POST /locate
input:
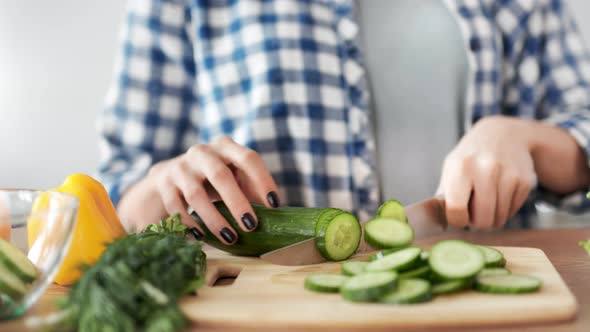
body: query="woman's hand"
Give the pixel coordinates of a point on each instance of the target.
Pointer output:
(490, 173)
(221, 170)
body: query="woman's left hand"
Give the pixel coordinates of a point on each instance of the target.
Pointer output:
(489, 174)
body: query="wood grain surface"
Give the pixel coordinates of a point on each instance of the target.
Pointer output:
(560, 246)
(267, 297)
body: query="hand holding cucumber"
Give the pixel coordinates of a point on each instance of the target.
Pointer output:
(221, 170)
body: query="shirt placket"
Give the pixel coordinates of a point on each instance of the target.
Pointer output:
(362, 143)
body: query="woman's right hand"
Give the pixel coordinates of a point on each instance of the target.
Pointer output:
(221, 170)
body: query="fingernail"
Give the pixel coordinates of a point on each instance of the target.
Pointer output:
(249, 221)
(227, 235)
(195, 216)
(273, 199)
(196, 233)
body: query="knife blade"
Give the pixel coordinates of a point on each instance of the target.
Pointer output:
(426, 218)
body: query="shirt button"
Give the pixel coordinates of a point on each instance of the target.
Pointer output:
(347, 29)
(475, 44)
(353, 71)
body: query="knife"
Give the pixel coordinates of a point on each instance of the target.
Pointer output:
(426, 218)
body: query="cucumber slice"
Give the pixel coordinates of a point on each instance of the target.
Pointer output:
(382, 233)
(16, 261)
(493, 258)
(10, 284)
(392, 209)
(397, 261)
(353, 268)
(382, 253)
(409, 291)
(451, 286)
(425, 255)
(493, 271)
(454, 259)
(324, 282)
(368, 286)
(420, 272)
(338, 236)
(507, 284)
(326, 215)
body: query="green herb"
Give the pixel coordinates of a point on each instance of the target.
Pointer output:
(169, 225)
(136, 283)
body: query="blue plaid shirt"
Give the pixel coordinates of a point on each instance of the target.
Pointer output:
(286, 78)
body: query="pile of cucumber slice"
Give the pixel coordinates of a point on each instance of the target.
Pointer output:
(403, 273)
(16, 271)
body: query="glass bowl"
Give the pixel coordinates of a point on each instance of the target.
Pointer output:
(51, 216)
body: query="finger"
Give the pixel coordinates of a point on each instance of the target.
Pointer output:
(457, 191)
(174, 203)
(522, 192)
(252, 165)
(506, 191)
(196, 196)
(221, 178)
(484, 194)
(440, 190)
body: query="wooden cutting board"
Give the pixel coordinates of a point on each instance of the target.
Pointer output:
(266, 296)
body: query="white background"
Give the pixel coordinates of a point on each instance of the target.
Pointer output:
(56, 60)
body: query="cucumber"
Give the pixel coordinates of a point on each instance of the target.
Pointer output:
(419, 272)
(454, 259)
(383, 232)
(353, 268)
(451, 286)
(507, 284)
(398, 261)
(337, 238)
(327, 214)
(368, 287)
(382, 253)
(392, 209)
(11, 285)
(324, 282)
(493, 271)
(409, 291)
(17, 262)
(493, 258)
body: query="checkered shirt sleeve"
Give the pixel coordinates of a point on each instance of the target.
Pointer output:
(151, 97)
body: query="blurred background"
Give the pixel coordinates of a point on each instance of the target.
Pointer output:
(56, 60)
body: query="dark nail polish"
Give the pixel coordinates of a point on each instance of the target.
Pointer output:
(196, 233)
(195, 217)
(227, 235)
(273, 199)
(249, 221)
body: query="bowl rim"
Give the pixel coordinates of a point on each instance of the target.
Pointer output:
(73, 202)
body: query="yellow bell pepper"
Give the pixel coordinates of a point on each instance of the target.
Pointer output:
(5, 231)
(97, 224)
(4, 223)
